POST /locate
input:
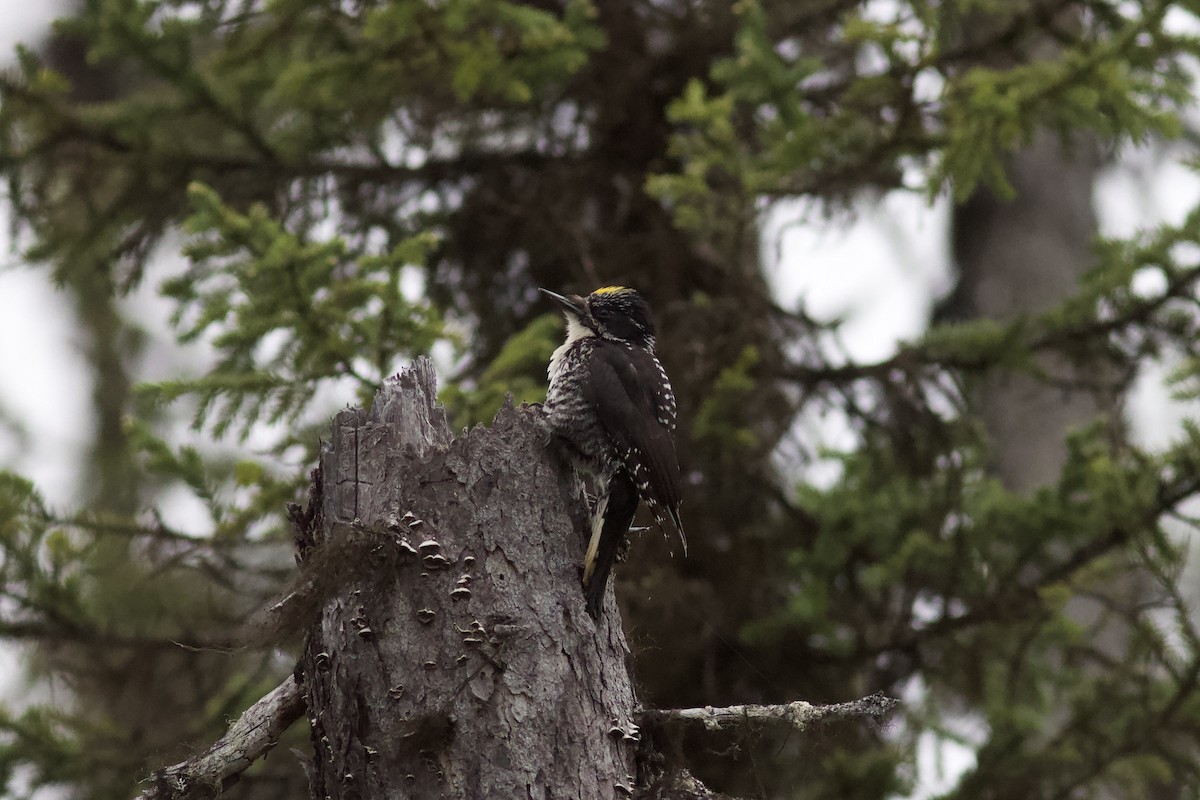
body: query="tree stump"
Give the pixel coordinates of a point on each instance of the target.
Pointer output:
(450, 654)
(456, 660)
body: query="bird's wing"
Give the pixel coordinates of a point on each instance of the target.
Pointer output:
(634, 411)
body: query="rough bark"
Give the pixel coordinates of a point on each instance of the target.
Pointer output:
(458, 660)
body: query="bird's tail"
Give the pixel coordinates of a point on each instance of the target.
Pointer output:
(610, 522)
(679, 528)
(675, 522)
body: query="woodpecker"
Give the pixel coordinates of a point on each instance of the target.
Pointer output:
(611, 405)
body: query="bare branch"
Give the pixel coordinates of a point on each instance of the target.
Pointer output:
(247, 740)
(798, 714)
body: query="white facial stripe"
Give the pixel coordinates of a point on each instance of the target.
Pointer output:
(576, 330)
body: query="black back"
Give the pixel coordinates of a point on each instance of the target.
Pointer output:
(626, 391)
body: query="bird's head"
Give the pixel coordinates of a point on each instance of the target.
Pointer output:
(612, 312)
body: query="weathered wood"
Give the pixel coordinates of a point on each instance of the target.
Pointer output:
(458, 661)
(798, 715)
(249, 738)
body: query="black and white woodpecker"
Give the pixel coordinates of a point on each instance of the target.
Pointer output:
(611, 404)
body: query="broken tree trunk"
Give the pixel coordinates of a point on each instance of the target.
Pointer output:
(456, 659)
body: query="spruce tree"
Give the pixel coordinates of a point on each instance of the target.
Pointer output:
(352, 185)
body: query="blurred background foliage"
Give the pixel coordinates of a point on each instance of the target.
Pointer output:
(351, 184)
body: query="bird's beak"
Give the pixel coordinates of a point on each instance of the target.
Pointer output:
(572, 304)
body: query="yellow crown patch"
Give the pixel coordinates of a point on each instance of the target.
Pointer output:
(612, 290)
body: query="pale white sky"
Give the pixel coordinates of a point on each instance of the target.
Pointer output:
(880, 272)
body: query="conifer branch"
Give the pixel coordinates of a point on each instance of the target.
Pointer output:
(72, 128)
(248, 739)
(797, 714)
(1035, 335)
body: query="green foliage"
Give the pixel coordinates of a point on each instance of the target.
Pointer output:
(1111, 85)
(718, 418)
(285, 86)
(982, 577)
(285, 314)
(517, 372)
(41, 739)
(285, 317)
(62, 573)
(357, 184)
(298, 324)
(775, 120)
(40, 574)
(486, 51)
(68, 579)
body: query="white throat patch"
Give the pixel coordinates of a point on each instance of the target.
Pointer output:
(576, 330)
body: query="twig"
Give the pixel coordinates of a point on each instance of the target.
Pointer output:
(798, 714)
(247, 740)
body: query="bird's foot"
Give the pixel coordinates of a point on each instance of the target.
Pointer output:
(627, 543)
